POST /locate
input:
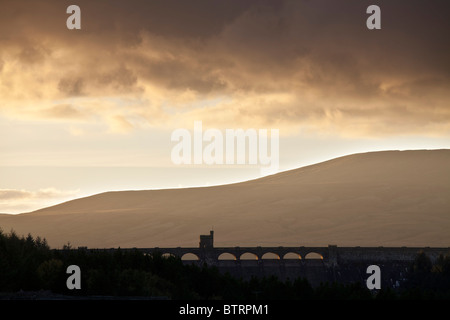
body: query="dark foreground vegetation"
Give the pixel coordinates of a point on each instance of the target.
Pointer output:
(28, 264)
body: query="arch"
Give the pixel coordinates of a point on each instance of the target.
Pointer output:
(314, 255)
(248, 256)
(292, 256)
(168, 255)
(270, 255)
(189, 257)
(226, 256)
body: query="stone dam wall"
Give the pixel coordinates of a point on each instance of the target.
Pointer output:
(331, 264)
(316, 264)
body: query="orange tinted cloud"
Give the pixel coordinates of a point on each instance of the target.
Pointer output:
(285, 64)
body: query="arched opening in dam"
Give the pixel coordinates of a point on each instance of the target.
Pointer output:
(270, 256)
(190, 257)
(292, 256)
(248, 256)
(314, 256)
(227, 256)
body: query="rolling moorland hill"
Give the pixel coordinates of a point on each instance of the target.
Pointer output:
(387, 198)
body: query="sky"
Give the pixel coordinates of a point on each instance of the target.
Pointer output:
(93, 110)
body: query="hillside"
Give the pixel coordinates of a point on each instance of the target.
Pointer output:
(389, 198)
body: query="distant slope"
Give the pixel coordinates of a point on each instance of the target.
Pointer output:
(389, 198)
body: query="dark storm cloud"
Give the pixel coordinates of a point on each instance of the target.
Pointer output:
(318, 53)
(71, 87)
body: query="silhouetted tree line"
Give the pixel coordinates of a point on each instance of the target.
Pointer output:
(28, 264)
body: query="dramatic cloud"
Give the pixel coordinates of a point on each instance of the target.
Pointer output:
(9, 194)
(15, 201)
(275, 63)
(111, 93)
(62, 111)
